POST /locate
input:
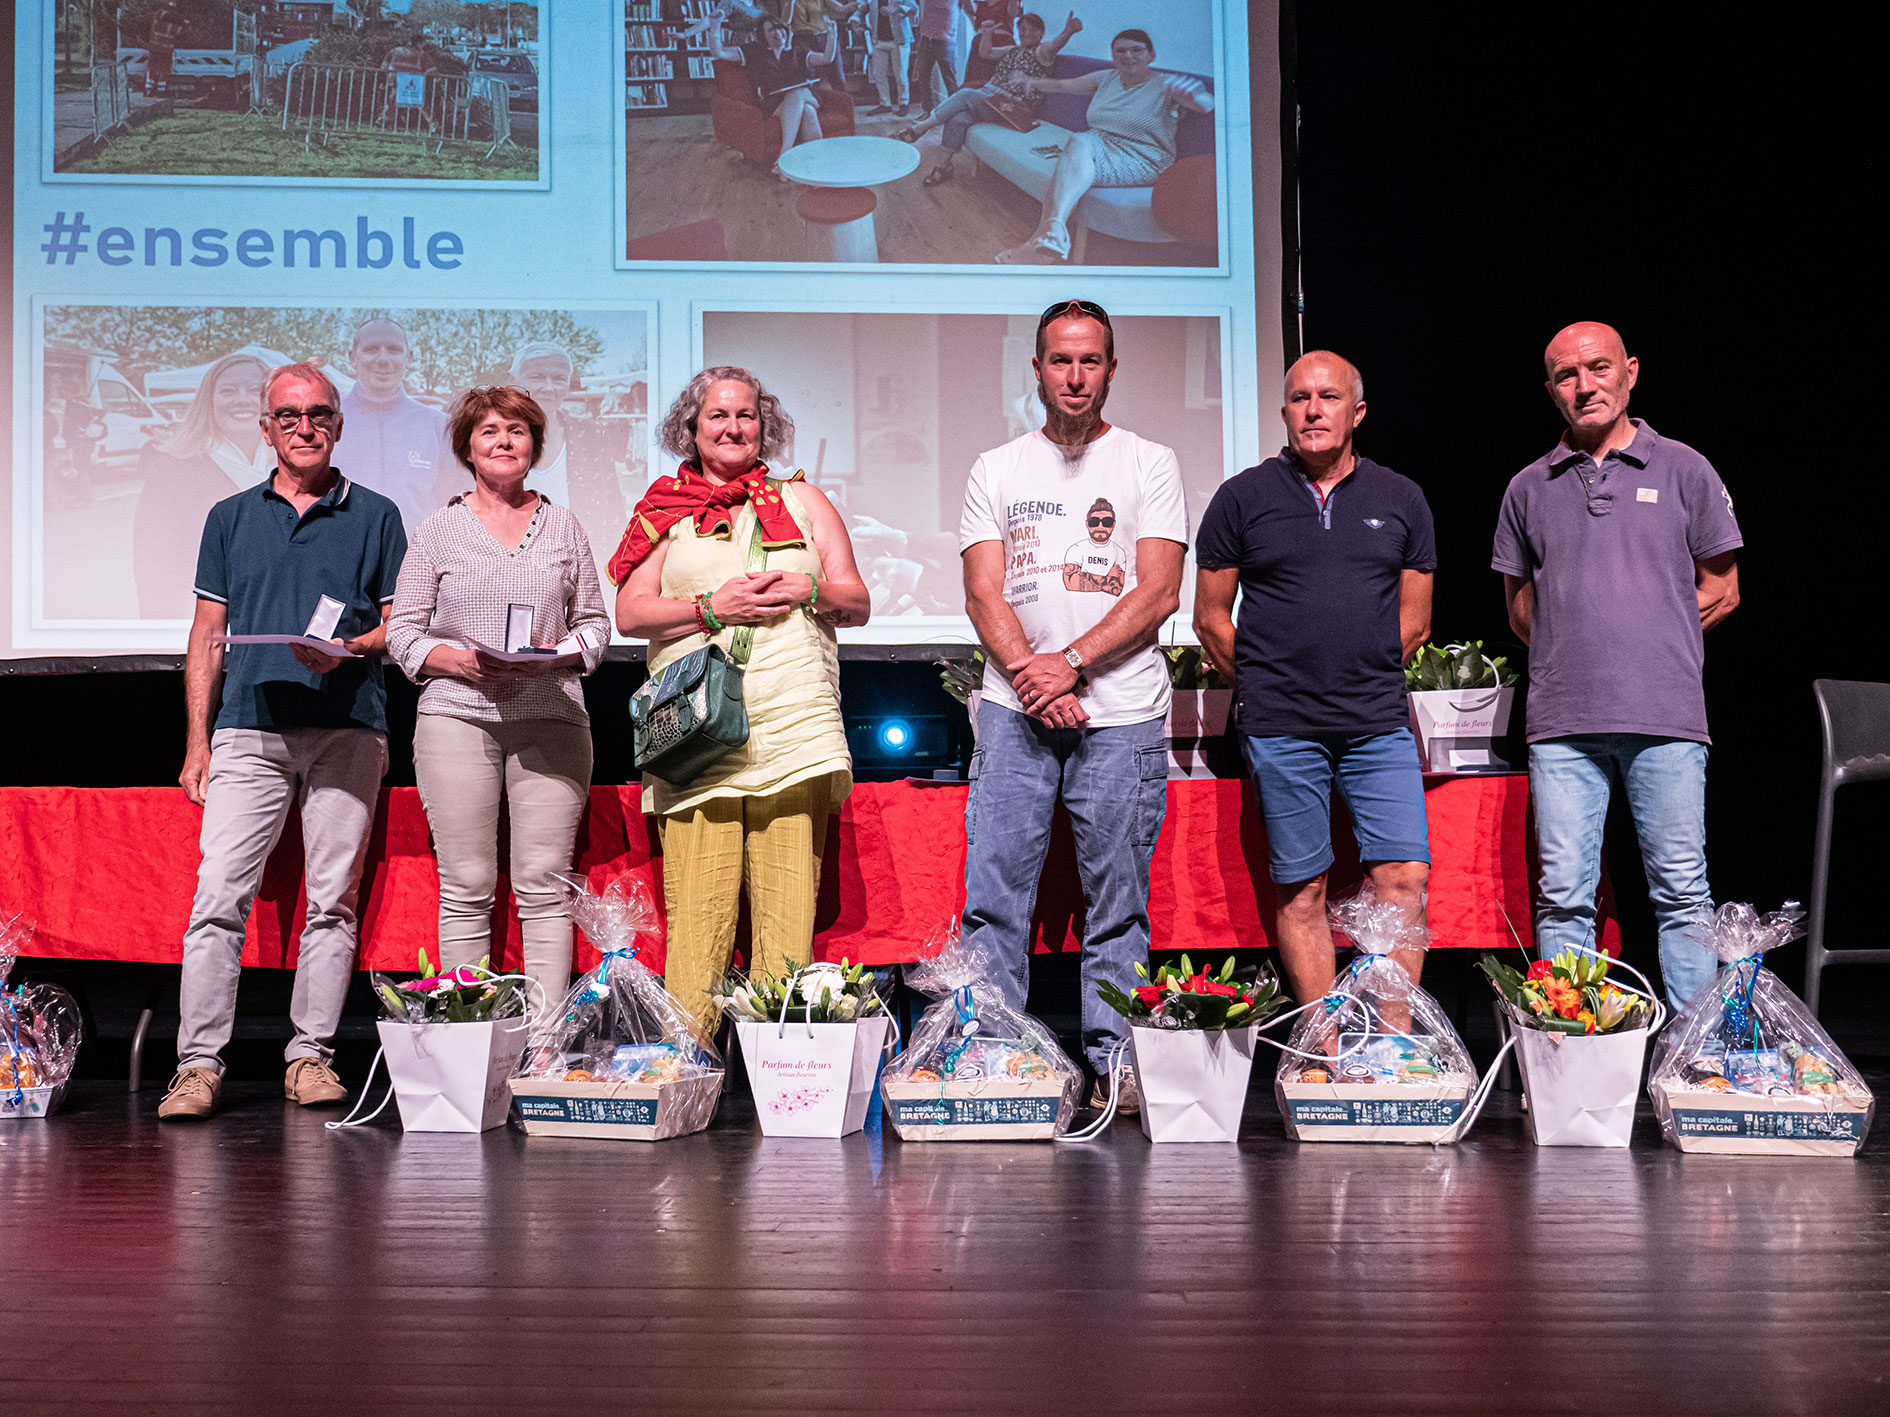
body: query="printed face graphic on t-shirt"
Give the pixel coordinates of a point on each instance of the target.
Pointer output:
(1097, 564)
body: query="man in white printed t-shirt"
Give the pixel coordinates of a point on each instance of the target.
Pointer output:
(1073, 540)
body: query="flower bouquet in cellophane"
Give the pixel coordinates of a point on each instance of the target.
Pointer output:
(620, 1057)
(39, 1034)
(812, 1038)
(1746, 1067)
(1191, 1038)
(1376, 1059)
(451, 1038)
(976, 1068)
(1580, 1040)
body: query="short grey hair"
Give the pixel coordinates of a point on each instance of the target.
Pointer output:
(304, 369)
(678, 435)
(542, 349)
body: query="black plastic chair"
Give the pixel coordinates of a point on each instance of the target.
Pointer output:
(1856, 717)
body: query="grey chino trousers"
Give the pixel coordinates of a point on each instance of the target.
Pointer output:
(256, 777)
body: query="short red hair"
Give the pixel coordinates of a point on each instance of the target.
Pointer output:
(471, 407)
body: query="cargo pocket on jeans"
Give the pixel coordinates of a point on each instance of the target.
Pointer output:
(1151, 794)
(972, 774)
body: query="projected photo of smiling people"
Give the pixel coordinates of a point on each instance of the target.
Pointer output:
(1082, 134)
(396, 444)
(577, 468)
(215, 451)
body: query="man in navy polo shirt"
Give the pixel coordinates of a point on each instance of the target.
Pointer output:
(1333, 557)
(1617, 553)
(274, 725)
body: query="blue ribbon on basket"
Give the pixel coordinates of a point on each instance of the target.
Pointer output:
(13, 1048)
(967, 1008)
(1739, 1007)
(594, 986)
(1336, 998)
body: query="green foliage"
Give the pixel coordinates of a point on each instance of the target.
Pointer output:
(958, 677)
(1190, 668)
(1185, 998)
(841, 994)
(1457, 666)
(472, 994)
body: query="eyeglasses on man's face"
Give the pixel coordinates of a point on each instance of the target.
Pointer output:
(289, 419)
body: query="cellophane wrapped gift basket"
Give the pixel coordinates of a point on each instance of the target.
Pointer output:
(976, 1068)
(1745, 1068)
(1375, 1060)
(812, 1039)
(620, 1058)
(39, 1034)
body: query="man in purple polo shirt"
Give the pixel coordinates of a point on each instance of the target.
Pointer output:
(1333, 557)
(1616, 550)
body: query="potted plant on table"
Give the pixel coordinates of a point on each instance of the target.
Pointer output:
(1197, 712)
(1461, 701)
(1580, 1040)
(812, 1038)
(451, 1038)
(1191, 1036)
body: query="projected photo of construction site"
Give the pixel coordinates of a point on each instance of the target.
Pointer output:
(335, 90)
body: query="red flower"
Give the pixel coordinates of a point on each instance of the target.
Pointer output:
(1201, 984)
(1149, 995)
(1541, 969)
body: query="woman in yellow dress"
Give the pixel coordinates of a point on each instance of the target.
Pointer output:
(757, 817)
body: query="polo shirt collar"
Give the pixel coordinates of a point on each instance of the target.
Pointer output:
(1639, 452)
(335, 496)
(1290, 460)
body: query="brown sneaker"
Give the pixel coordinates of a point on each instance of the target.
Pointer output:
(1128, 1103)
(191, 1096)
(313, 1083)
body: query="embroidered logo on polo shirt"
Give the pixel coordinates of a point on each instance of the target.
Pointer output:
(1647, 494)
(1374, 522)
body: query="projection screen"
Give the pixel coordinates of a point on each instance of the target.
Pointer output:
(584, 199)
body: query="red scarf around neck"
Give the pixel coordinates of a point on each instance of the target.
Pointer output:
(689, 493)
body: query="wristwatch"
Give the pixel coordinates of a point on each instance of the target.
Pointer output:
(1075, 659)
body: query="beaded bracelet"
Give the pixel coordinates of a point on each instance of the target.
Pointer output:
(813, 595)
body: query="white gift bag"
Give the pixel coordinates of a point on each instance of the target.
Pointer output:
(451, 1077)
(812, 1079)
(1581, 1088)
(1193, 1081)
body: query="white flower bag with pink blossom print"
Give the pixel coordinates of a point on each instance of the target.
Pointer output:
(813, 1079)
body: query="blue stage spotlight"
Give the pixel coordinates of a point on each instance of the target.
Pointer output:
(895, 736)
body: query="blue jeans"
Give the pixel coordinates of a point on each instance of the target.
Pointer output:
(1569, 781)
(1114, 784)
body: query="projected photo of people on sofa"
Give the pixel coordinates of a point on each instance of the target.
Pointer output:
(927, 132)
(151, 417)
(241, 90)
(891, 410)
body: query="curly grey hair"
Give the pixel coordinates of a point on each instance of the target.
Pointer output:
(678, 435)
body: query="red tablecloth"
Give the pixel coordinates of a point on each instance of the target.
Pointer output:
(109, 873)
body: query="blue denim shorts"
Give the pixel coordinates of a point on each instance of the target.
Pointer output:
(1378, 775)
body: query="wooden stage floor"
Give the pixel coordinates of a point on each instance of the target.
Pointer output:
(258, 1265)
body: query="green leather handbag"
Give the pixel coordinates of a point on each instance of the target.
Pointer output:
(690, 715)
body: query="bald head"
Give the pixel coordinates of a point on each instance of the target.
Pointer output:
(1590, 376)
(1583, 334)
(1334, 369)
(1325, 403)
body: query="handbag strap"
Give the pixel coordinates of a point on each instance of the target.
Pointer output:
(743, 643)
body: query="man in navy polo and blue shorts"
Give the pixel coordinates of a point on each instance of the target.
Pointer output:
(1617, 549)
(1333, 557)
(272, 726)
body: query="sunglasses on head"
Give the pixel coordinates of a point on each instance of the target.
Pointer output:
(1074, 310)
